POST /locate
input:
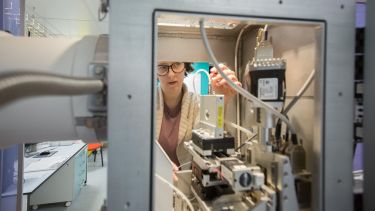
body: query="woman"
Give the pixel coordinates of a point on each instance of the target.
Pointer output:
(178, 110)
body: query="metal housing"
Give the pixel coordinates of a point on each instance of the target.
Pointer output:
(132, 87)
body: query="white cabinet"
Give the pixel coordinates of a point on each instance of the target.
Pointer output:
(64, 184)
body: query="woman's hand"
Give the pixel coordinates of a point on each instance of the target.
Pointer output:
(220, 85)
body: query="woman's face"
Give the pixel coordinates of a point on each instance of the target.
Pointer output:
(171, 76)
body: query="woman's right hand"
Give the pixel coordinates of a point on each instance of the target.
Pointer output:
(220, 85)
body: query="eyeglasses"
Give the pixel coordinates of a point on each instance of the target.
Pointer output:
(176, 67)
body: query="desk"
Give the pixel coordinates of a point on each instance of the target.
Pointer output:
(57, 178)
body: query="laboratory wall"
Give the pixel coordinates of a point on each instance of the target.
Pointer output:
(192, 49)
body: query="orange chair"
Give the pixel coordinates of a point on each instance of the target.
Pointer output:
(93, 149)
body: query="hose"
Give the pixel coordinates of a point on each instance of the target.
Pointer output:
(240, 90)
(20, 84)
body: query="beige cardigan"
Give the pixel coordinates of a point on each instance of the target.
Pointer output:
(189, 119)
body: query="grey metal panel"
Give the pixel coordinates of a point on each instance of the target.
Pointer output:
(369, 105)
(318, 142)
(131, 88)
(130, 106)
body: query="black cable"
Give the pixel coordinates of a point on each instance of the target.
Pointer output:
(279, 123)
(251, 138)
(20, 84)
(294, 139)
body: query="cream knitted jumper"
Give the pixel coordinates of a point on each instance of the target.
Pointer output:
(189, 119)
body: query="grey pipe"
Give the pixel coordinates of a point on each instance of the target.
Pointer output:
(20, 84)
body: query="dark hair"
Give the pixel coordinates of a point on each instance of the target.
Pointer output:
(188, 68)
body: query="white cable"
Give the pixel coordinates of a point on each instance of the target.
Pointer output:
(208, 76)
(244, 130)
(236, 48)
(240, 90)
(184, 197)
(300, 92)
(187, 163)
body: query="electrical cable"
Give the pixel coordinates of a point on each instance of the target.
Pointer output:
(240, 90)
(19, 84)
(184, 197)
(244, 130)
(300, 92)
(236, 48)
(185, 164)
(245, 142)
(265, 31)
(291, 104)
(278, 122)
(236, 70)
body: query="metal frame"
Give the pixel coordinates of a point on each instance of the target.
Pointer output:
(20, 181)
(132, 93)
(369, 104)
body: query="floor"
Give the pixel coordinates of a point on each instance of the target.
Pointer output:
(93, 194)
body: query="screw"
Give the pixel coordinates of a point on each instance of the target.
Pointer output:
(127, 205)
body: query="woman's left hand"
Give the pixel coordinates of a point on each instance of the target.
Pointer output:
(174, 175)
(220, 85)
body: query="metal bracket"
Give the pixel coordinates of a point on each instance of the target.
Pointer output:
(103, 9)
(97, 103)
